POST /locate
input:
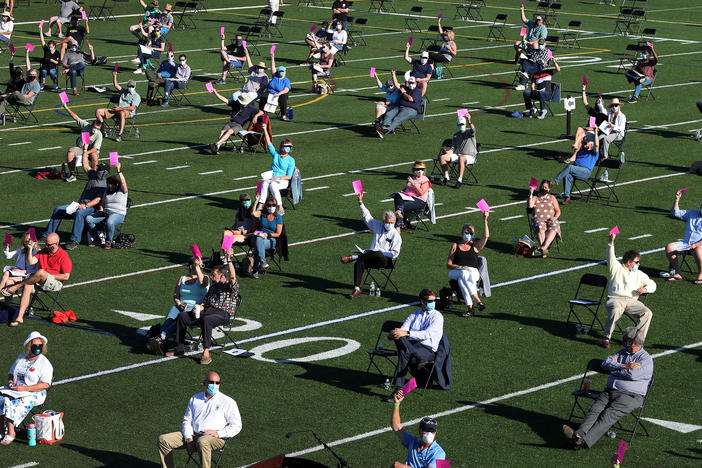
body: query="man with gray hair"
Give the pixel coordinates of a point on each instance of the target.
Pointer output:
(630, 371)
(384, 248)
(26, 96)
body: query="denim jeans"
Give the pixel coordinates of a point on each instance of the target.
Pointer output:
(53, 73)
(406, 207)
(632, 78)
(168, 86)
(113, 220)
(75, 70)
(168, 328)
(571, 172)
(396, 115)
(78, 221)
(261, 246)
(542, 95)
(529, 68)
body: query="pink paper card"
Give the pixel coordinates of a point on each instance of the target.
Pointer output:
(12, 48)
(409, 386)
(441, 15)
(584, 80)
(549, 53)
(32, 234)
(196, 251)
(533, 183)
(614, 230)
(29, 47)
(523, 2)
(372, 72)
(170, 47)
(482, 205)
(63, 97)
(114, 158)
(221, 31)
(621, 450)
(227, 242)
(84, 15)
(649, 44)
(591, 123)
(682, 190)
(312, 29)
(8, 238)
(443, 464)
(86, 137)
(116, 67)
(522, 32)
(41, 23)
(243, 43)
(152, 20)
(273, 49)
(259, 184)
(357, 187)
(462, 112)
(409, 41)
(210, 88)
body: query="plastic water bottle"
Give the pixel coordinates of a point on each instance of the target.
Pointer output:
(605, 176)
(372, 288)
(290, 113)
(698, 134)
(611, 434)
(387, 384)
(32, 434)
(622, 157)
(377, 291)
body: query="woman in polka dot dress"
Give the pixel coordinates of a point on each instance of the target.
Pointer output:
(546, 213)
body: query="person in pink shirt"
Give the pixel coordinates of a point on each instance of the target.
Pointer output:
(414, 196)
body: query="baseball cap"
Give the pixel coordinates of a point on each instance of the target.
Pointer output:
(461, 120)
(425, 54)
(427, 424)
(131, 83)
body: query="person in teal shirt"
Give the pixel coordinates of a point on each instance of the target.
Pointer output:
(535, 35)
(281, 172)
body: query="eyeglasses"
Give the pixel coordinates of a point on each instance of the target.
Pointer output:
(636, 261)
(418, 169)
(212, 381)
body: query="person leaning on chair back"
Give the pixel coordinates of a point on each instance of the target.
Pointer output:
(422, 452)
(211, 417)
(631, 370)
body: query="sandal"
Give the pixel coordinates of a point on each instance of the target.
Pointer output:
(7, 440)
(697, 281)
(15, 323)
(206, 360)
(480, 306)
(6, 292)
(675, 277)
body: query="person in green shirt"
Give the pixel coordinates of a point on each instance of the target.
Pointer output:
(129, 101)
(535, 34)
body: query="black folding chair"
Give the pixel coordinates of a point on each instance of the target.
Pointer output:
(380, 6)
(571, 34)
(496, 31)
(47, 301)
(102, 11)
(551, 15)
(411, 124)
(649, 87)
(224, 329)
(215, 463)
(356, 33)
(186, 15)
(601, 186)
(632, 55)
(431, 37)
(385, 273)
(379, 351)
(411, 21)
(274, 28)
(470, 10)
(588, 297)
(18, 112)
(111, 126)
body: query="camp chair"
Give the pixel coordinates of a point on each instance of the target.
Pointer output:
(225, 330)
(412, 22)
(379, 351)
(426, 372)
(598, 183)
(186, 15)
(383, 272)
(496, 31)
(47, 301)
(251, 139)
(595, 366)
(586, 297)
(633, 53)
(356, 34)
(571, 34)
(420, 116)
(555, 96)
(18, 112)
(215, 463)
(649, 87)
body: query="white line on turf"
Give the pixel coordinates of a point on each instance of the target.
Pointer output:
(20, 143)
(642, 236)
(25, 465)
(245, 177)
(351, 194)
(177, 167)
(511, 217)
(385, 200)
(144, 162)
(211, 172)
(49, 148)
(590, 231)
(441, 99)
(316, 188)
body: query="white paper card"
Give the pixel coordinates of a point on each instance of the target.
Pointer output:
(72, 208)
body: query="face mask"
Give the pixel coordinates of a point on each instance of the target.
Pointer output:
(644, 56)
(287, 149)
(247, 204)
(36, 349)
(635, 268)
(52, 49)
(615, 108)
(461, 127)
(388, 226)
(423, 61)
(412, 86)
(428, 437)
(74, 49)
(32, 77)
(467, 237)
(238, 42)
(431, 305)
(131, 89)
(281, 74)
(543, 191)
(182, 62)
(270, 209)
(445, 38)
(212, 389)
(340, 27)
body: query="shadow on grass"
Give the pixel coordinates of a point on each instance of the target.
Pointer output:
(554, 327)
(697, 454)
(171, 257)
(357, 381)
(347, 223)
(109, 458)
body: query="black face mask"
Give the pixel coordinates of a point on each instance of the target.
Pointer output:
(543, 192)
(31, 78)
(36, 349)
(238, 42)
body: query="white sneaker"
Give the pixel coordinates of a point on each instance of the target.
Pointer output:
(135, 61)
(138, 71)
(48, 34)
(61, 36)
(520, 87)
(542, 114)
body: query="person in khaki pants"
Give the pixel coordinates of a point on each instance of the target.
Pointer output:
(626, 284)
(210, 418)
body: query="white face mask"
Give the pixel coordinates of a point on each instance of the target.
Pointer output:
(428, 437)
(131, 89)
(615, 108)
(270, 209)
(411, 86)
(423, 61)
(182, 62)
(461, 127)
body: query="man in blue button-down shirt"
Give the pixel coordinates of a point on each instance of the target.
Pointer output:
(631, 370)
(692, 240)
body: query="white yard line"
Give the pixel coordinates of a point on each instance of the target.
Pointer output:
(590, 231)
(316, 188)
(20, 143)
(511, 217)
(211, 172)
(642, 236)
(25, 465)
(144, 162)
(176, 167)
(246, 177)
(49, 148)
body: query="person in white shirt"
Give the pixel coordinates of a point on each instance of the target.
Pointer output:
(339, 38)
(210, 418)
(6, 27)
(418, 338)
(384, 248)
(616, 123)
(626, 284)
(22, 268)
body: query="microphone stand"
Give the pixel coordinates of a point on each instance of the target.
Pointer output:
(342, 462)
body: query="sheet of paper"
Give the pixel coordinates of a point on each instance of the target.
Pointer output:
(8, 238)
(221, 31)
(462, 112)
(29, 47)
(592, 123)
(72, 208)
(604, 128)
(614, 230)
(32, 234)
(533, 183)
(227, 242)
(443, 464)
(196, 251)
(114, 158)
(85, 137)
(84, 15)
(483, 206)
(410, 40)
(273, 49)
(145, 49)
(372, 72)
(357, 187)
(209, 87)
(116, 67)
(522, 32)
(5, 390)
(266, 175)
(584, 80)
(63, 97)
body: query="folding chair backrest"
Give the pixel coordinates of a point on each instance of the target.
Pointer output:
(500, 18)
(595, 365)
(649, 32)
(361, 21)
(433, 29)
(574, 24)
(390, 325)
(416, 9)
(591, 281)
(556, 93)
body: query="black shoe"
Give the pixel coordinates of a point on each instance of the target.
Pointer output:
(444, 181)
(381, 132)
(480, 306)
(458, 184)
(213, 148)
(468, 312)
(633, 100)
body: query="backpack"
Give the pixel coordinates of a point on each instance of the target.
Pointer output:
(124, 241)
(445, 298)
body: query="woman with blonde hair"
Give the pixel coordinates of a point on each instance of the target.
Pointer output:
(448, 49)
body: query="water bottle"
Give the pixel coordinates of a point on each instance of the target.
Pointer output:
(605, 176)
(290, 113)
(611, 434)
(622, 157)
(387, 384)
(377, 291)
(136, 132)
(372, 288)
(32, 434)
(698, 134)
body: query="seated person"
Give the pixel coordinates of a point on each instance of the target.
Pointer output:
(151, 45)
(243, 110)
(339, 38)
(50, 61)
(423, 451)
(86, 155)
(30, 386)
(218, 306)
(16, 80)
(448, 49)
(164, 22)
(25, 97)
(257, 81)
(692, 240)
(464, 149)
(158, 77)
(314, 40)
(408, 107)
(266, 236)
(179, 81)
(598, 111)
(541, 89)
(642, 73)
(546, 212)
(7, 25)
(631, 370)
(74, 64)
(463, 264)
(616, 127)
(188, 293)
(323, 67)
(535, 35)
(392, 97)
(233, 55)
(112, 209)
(531, 62)
(68, 10)
(54, 269)
(76, 32)
(384, 249)
(418, 338)
(414, 196)
(280, 173)
(340, 8)
(244, 221)
(421, 69)
(583, 161)
(127, 104)
(151, 12)
(22, 268)
(279, 86)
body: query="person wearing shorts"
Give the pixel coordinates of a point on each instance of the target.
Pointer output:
(129, 102)
(243, 110)
(68, 7)
(464, 150)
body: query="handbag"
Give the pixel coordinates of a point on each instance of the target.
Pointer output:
(49, 427)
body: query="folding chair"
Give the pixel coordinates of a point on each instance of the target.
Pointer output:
(534, 233)
(274, 28)
(179, 95)
(80, 76)
(470, 10)
(287, 193)
(636, 22)
(629, 60)
(552, 41)
(276, 254)
(380, 6)
(384, 272)
(598, 183)
(225, 330)
(431, 37)
(621, 24)
(649, 87)
(356, 34)
(251, 34)
(571, 34)
(326, 78)
(589, 295)
(648, 33)
(445, 66)
(102, 11)
(426, 211)
(18, 112)
(551, 15)
(129, 124)
(379, 351)
(595, 366)
(555, 96)
(412, 22)
(47, 301)
(186, 15)
(215, 463)
(619, 142)
(420, 117)
(496, 31)
(452, 167)
(100, 227)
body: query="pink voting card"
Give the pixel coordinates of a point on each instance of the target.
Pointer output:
(8, 238)
(591, 122)
(482, 205)
(210, 88)
(443, 464)
(312, 29)
(621, 450)
(33, 234)
(12, 48)
(462, 112)
(41, 23)
(273, 49)
(372, 72)
(649, 44)
(523, 2)
(409, 386)
(114, 158)
(63, 97)
(221, 31)
(227, 242)
(409, 41)
(170, 47)
(441, 15)
(357, 187)
(682, 190)
(584, 80)
(152, 20)
(243, 43)
(522, 32)
(533, 183)
(614, 230)
(84, 15)
(86, 137)
(116, 67)
(549, 53)
(29, 47)
(196, 251)
(259, 184)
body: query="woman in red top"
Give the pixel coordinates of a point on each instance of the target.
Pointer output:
(414, 196)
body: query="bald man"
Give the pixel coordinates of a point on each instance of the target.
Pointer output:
(210, 418)
(54, 269)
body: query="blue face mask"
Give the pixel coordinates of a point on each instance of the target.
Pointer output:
(467, 237)
(388, 226)
(212, 389)
(635, 268)
(36, 349)
(644, 56)
(287, 149)
(431, 305)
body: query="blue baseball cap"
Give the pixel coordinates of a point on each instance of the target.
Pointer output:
(281, 68)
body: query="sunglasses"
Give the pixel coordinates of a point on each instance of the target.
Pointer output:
(418, 169)
(212, 381)
(636, 261)
(51, 245)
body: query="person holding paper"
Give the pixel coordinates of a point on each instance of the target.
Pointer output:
(29, 378)
(278, 89)
(464, 264)
(421, 69)
(392, 97)
(151, 12)
(384, 248)
(233, 55)
(7, 25)
(463, 150)
(582, 162)
(127, 105)
(22, 268)
(189, 292)
(74, 64)
(323, 67)
(50, 61)
(243, 110)
(27, 96)
(448, 49)
(314, 39)
(244, 221)
(598, 112)
(85, 154)
(166, 69)
(339, 38)
(179, 81)
(267, 236)
(542, 88)
(407, 108)
(76, 32)
(68, 10)
(257, 80)
(614, 128)
(535, 36)
(642, 73)
(626, 284)
(16, 79)
(154, 46)
(280, 173)
(217, 308)
(112, 209)
(54, 269)
(630, 372)
(422, 452)
(545, 216)
(692, 240)
(415, 194)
